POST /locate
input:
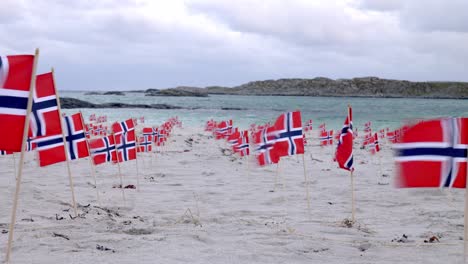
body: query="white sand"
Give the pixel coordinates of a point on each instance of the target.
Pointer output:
(236, 217)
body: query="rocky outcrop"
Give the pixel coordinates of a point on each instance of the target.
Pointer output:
(69, 103)
(114, 93)
(178, 91)
(356, 87)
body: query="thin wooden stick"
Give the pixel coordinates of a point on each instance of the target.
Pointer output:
(136, 162)
(14, 164)
(465, 251)
(353, 210)
(91, 163)
(67, 158)
(118, 165)
(306, 185)
(21, 161)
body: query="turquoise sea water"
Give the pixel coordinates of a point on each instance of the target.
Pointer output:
(382, 112)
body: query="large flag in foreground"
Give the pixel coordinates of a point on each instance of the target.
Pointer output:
(344, 150)
(15, 80)
(45, 118)
(433, 154)
(288, 134)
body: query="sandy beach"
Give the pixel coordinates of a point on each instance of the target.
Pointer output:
(196, 205)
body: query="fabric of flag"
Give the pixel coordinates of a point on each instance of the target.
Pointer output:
(433, 153)
(374, 146)
(145, 143)
(5, 152)
(123, 127)
(326, 138)
(322, 127)
(162, 137)
(308, 126)
(382, 133)
(304, 139)
(234, 138)
(92, 117)
(223, 129)
(45, 118)
(344, 150)
(50, 150)
(155, 134)
(391, 136)
(30, 144)
(126, 146)
(103, 150)
(242, 145)
(288, 133)
(367, 127)
(15, 81)
(264, 140)
(75, 137)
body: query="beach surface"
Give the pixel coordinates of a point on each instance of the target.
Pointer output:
(199, 204)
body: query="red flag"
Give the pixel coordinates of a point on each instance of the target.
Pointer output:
(326, 138)
(15, 80)
(103, 149)
(45, 118)
(288, 133)
(344, 150)
(433, 154)
(264, 140)
(123, 127)
(126, 146)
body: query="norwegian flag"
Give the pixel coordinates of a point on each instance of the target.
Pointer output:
(344, 150)
(155, 134)
(433, 153)
(162, 137)
(30, 144)
(45, 118)
(391, 136)
(126, 146)
(308, 126)
(367, 138)
(326, 138)
(374, 146)
(142, 119)
(5, 152)
(75, 137)
(88, 131)
(50, 150)
(233, 138)
(15, 79)
(123, 127)
(92, 117)
(367, 127)
(103, 130)
(210, 125)
(223, 129)
(288, 133)
(145, 143)
(304, 139)
(242, 146)
(264, 140)
(103, 150)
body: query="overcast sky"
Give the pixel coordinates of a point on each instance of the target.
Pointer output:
(124, 44)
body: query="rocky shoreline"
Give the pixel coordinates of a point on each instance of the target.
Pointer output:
(70, 103)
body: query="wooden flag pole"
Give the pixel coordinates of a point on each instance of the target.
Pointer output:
(118, 165)
(91, 163)
(67, 158)
(306, 184)
(353, 210)
(465, 248)
(136, 162)
(14, 164)
(21, 161)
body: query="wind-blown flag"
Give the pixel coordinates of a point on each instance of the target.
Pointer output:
(242, 145)
(223, 129)
(15, 80)
(123, 127)
(308, 126)
(51, 149)
(233, 138)
(288, 133)
(433, 153)
(326, 138)
(103, 150)
(30, 144)
(264, 140)
(344, 150)
(126, 146)
(322, 127)
(367, 127)
(45, 118)
(5, 152)
(374, 146)
(145, 143)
